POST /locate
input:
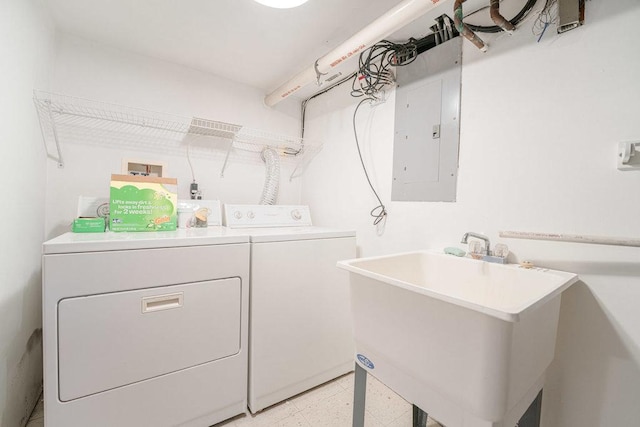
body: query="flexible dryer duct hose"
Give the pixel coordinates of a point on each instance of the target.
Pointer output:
(272, 179)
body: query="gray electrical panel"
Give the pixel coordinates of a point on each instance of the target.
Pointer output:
(427, 130)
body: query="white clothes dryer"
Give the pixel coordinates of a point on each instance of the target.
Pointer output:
(300, 332)
(145, 329)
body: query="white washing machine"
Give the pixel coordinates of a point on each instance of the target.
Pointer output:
(300, 332)
(145, 329)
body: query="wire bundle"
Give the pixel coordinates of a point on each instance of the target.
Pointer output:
(374, 73)
(547, 16)
(374, 66)
(495, 28)
(379, 213)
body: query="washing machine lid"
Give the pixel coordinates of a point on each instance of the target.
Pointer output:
(110, 241)
(284, 234)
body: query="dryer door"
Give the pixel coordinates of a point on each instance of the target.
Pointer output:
(111, 340)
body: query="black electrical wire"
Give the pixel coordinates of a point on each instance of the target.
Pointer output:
(496, 29)
(323, 91)
(379, 212)
(374, 66)
(545, 18)
(303, 108)
(374, 73)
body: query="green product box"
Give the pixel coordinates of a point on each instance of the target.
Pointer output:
(88, 225)
(142, 203)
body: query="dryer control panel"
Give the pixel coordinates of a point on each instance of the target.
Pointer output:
(245, 216)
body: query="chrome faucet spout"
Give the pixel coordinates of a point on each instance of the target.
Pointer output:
(468, 234)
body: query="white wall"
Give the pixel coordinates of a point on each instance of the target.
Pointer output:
(539, 129)
(96, 72)
(26, 49)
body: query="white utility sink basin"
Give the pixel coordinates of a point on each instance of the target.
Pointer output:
(465, 340)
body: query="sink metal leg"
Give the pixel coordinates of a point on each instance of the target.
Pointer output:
(531, 417)
(419, 417)
(359, 395)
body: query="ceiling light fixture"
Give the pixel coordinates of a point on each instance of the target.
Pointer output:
(281, 4)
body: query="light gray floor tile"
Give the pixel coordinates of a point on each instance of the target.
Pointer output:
(334, 410)
(346, 381)
(268, 417)
(385, 405)
(328, 405)
(295, 420)
(317, 394)
(406, 420)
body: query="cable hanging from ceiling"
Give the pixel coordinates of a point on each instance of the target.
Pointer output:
(373, 75)
(374, 66)
(547, 16)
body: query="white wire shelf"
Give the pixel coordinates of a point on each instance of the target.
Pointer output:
(78, 120)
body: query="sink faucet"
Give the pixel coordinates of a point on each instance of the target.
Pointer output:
(466, 236)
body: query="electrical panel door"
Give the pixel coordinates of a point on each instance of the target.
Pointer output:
(426, 137)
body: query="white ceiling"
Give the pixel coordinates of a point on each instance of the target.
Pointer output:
(237, 39)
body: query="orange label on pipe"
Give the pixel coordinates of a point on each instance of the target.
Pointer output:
(349, 54)
(290, 91)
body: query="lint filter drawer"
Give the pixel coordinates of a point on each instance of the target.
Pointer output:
(111, 340)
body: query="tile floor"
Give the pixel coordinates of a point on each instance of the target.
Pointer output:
(329, 405)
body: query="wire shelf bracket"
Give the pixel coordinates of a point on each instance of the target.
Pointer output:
(54, 134)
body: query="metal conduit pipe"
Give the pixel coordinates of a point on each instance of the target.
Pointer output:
(500, 20)
(396, 18)
(463, 29)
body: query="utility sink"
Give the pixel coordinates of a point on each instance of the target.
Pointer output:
(465, 340)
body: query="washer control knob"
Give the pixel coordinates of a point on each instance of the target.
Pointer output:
(237, 214)
(251, 215)
(295, 214)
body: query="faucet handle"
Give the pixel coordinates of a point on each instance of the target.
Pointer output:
(501, 250)
(476, 248)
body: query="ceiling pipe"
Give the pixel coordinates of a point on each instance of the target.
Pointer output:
(464, 29)
(500, 20)
(396, 18)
